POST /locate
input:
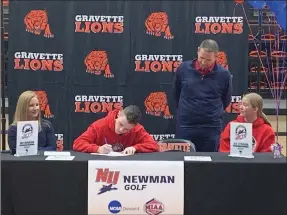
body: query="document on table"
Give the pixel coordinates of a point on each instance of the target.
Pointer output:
(113, 154)
(59, 158)
(197, 158)
(56, 153)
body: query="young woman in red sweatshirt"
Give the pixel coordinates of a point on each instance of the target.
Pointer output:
(119, 131)
(251, 111)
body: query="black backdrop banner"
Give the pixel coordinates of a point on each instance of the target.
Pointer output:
(86, 58)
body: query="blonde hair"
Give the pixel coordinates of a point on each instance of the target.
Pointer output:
(257, 102)
(22, 108)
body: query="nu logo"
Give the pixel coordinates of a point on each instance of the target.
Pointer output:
(109, 177)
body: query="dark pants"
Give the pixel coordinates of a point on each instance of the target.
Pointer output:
(205, 139)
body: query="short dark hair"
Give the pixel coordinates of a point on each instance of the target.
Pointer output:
(133, 114)
(209, 45)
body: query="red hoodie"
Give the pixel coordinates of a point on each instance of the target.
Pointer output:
(262, 133)
(104, 130)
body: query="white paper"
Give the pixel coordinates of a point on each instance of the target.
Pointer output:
(241, 140)
(66, 158)
(197, 158)
(27, 138)
(240, 156)
(56, 153)
(113, 154)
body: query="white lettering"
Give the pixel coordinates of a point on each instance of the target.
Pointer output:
(92, 18)
(84, 98)
(219, 19)
(236, 99)
(59, 136)
(41, 56)
(158, 57)
(158, 137)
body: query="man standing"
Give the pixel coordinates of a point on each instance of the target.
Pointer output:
(202, 90)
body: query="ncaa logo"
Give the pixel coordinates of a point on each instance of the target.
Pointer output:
(115, 207)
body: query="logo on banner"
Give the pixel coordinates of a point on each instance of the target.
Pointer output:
(97, 62)
(157, 63)
(135, 182)
(218, 25)
(156, 104)
(154, 207)
(38, 61)
(116, 207)
(234, 106)
(157, 24)
(60, 142)
(99, 24)
(97, 104)
(36, 22)
(110, 178)
(44, 103)
(158, 137)
(240, 132)
(222, 60)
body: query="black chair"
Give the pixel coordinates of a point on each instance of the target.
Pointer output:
(181, 145)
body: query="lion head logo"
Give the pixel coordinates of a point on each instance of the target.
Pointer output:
(157, 23)
(44, 104)
(36, 21)
(96, 62)
(156, 104)
(222, 60)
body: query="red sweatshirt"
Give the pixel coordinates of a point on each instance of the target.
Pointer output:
(262, 133)
(104, 128)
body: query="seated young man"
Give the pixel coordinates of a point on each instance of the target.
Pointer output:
(119, 131)
(251, 111)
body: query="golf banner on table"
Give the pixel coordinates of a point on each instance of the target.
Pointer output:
(135, 187)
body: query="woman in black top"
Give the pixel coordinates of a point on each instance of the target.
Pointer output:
(28, 109)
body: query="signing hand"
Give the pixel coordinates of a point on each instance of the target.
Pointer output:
(129, 151)
(105, 149)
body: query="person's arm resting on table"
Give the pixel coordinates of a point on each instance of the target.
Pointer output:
(145, 143)
(86, 142)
